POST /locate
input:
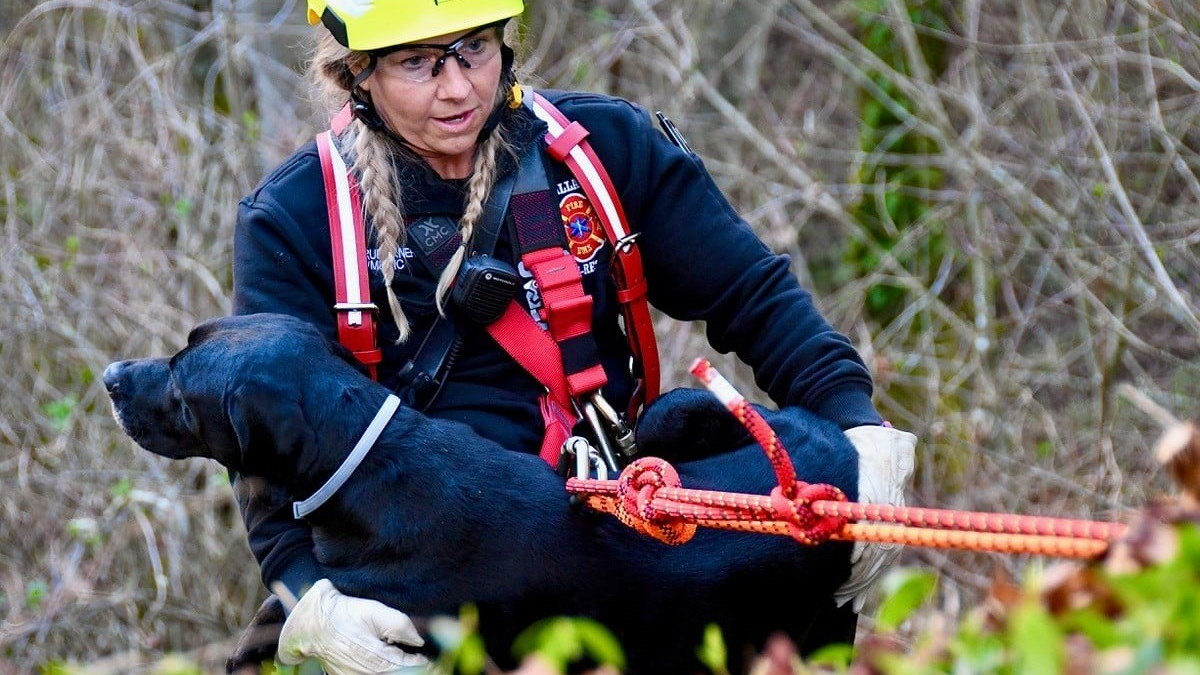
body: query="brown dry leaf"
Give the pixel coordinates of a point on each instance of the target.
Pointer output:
(1073, 585)
(1002, 597)
(1150, 540)
(1178, 449)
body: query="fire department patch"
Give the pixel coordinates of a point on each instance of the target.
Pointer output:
(585, 237)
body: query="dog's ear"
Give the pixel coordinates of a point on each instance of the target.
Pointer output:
(274, 438)
(200, 331)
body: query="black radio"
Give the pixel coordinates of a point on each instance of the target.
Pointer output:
(484, 288)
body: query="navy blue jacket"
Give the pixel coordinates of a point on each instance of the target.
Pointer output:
(702, 262)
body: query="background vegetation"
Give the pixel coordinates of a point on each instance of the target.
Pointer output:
(998, 201)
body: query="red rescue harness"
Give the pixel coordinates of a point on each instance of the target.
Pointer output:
(566, 308)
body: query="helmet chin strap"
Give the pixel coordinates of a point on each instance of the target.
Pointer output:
(364, 109)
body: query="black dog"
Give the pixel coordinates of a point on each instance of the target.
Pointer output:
(437, 516)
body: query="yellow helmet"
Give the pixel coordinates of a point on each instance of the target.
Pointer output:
(363, 25)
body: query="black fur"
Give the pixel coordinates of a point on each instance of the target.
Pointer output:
(437, 516)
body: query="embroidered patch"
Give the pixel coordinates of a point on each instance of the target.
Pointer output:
(585, 238)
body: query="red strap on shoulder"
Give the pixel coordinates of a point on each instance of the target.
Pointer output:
(571, 136)
(341, 120)
(355, 312)
(567, 140)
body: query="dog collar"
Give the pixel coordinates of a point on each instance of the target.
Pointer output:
(339, 477)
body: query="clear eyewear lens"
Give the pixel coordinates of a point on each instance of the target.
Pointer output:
(421, 63)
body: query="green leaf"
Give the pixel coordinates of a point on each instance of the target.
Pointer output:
(1036, 640)
(837, 656)
(35, 592)
(561, 641)
(59, 411)
(472, 656)
(121, 489)
(712, 651)
(904, 591)
(600, 644)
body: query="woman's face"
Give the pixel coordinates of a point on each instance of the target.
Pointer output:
(432, 100)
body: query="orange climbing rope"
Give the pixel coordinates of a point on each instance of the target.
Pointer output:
(648, 497)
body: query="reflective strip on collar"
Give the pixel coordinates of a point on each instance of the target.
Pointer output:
(339, 477)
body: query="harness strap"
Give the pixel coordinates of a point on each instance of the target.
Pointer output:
(355, 311)
(535, 351)
(567, 143)
(566, 309)
(567, 360)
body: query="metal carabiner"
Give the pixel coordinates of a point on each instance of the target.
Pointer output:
(621, 432)
(586, 457)
(606, 451)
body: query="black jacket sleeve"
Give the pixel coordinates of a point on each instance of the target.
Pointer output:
(704, 263)
(280, 266)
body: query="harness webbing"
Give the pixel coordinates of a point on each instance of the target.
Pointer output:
(568, 144)
(648, 497)
(576, 370)
(355, 311)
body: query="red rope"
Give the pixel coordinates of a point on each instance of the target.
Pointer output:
(648, 497)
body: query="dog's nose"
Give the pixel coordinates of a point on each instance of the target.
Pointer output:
(112, 376)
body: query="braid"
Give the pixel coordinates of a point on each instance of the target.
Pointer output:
(381, 199)
(478, 189)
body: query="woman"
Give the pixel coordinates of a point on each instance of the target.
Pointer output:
(437, 126)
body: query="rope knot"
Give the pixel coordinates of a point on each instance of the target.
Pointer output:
(804, 525)
(636, 488)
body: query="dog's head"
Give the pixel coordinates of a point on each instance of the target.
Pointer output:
(239, 384)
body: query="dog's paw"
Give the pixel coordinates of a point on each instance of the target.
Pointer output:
(687, 424)
(258, 643)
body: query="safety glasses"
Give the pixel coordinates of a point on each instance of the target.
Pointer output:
(422, 62)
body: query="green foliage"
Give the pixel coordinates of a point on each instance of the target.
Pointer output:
(893, 201)
(1037, 641)
(35, 592)
(121, 489)
(905, 590)
(462, 647)
(712, 652)
(1145, 621)
(560, 643)
(563, 641)
(59, 411)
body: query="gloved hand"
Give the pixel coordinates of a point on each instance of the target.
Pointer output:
(885, 467)
(349, 635)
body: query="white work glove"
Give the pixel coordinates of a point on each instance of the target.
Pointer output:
(349, 635)
(885, 467)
